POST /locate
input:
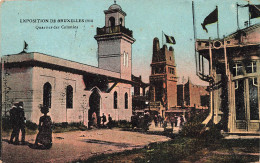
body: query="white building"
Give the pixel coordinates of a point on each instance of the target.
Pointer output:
(74, 91)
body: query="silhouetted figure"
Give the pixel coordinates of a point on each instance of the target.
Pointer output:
(146, 121)
(109, 124)
(94, 119)
(173, 120)
(14, 116)
(104, 119)
(134, 120)
(44, 136)
(176, 120)
(155, 120)
(160, 119)
(182, 121)
(21, 121)
(165, 123)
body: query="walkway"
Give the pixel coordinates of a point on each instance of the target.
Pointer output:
(78, 145)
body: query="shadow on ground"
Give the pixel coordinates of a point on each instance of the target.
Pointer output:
(120, 145)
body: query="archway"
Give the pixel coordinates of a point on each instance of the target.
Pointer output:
(112, 21)
(94, 111)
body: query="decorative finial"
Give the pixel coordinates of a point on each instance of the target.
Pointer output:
(115, 1)
(25, 48)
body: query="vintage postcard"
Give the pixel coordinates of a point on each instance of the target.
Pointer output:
(130, 80)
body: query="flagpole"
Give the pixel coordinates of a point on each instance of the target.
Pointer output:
(195, 36)
(217, 24)
(237, 18)
(162, 38)
(248, 14)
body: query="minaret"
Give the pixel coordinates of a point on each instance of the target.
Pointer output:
(163, 79)
(115, 43)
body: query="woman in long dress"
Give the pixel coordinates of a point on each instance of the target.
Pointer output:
(44, 137)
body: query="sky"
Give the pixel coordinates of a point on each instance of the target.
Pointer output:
(146, 18)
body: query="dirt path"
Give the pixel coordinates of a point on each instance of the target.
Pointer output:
(78, 145)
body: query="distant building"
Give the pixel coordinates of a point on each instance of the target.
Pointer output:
(166, 96)
(139, 95)
(190, 95)
(234, 80)
(163, 79)
(74, 92)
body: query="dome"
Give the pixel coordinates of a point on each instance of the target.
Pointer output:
(115, 6)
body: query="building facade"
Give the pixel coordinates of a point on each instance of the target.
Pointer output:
(191, 95)
(163, 78)
(75, 91)
(234, 78)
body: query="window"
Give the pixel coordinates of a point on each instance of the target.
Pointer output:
(47, 95)
(126, 101)
(251, 67)
(112, 21)
(171, 70)
(121, 21)
(69, 97)
(115, 100)
(237, 69)
(253, 99)
(124, 59)
(239, 100)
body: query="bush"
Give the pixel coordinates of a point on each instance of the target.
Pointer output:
(192, 129)
(121, 124)
(30, 125)
(65, 127)
(6, 124)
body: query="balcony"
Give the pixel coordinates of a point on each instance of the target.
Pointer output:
(115, 29)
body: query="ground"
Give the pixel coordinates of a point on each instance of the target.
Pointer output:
(70, 146)
(119, 145)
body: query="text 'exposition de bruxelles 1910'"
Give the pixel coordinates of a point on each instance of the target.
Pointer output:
(55, 20)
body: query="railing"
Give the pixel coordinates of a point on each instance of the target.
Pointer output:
(115, 29)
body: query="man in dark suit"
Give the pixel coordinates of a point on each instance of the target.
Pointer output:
(14, 116)
(22, 121)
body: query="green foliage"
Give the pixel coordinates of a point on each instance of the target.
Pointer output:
(6, 125)
(121, 124)
(65, 127)
(194, 127)
(30, 125)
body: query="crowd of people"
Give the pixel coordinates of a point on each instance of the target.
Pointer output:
(144, 121)
(141, 121)
(96, 121)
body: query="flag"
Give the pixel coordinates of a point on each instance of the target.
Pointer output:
(211, 18)
(170, 39)
(254, 11)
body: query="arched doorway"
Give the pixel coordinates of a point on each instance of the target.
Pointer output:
(94, 111)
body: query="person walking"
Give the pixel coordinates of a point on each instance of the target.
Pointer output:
(155, 120)
(109, 124)
(14, 123)
(94, 119)
(44, 136)
(172, 120)
(104, 119)
(134, 120)
(160, 119)
(165, 123)
(21, 121)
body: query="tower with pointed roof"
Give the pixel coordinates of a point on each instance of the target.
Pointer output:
(163, 79)
(115, 43)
